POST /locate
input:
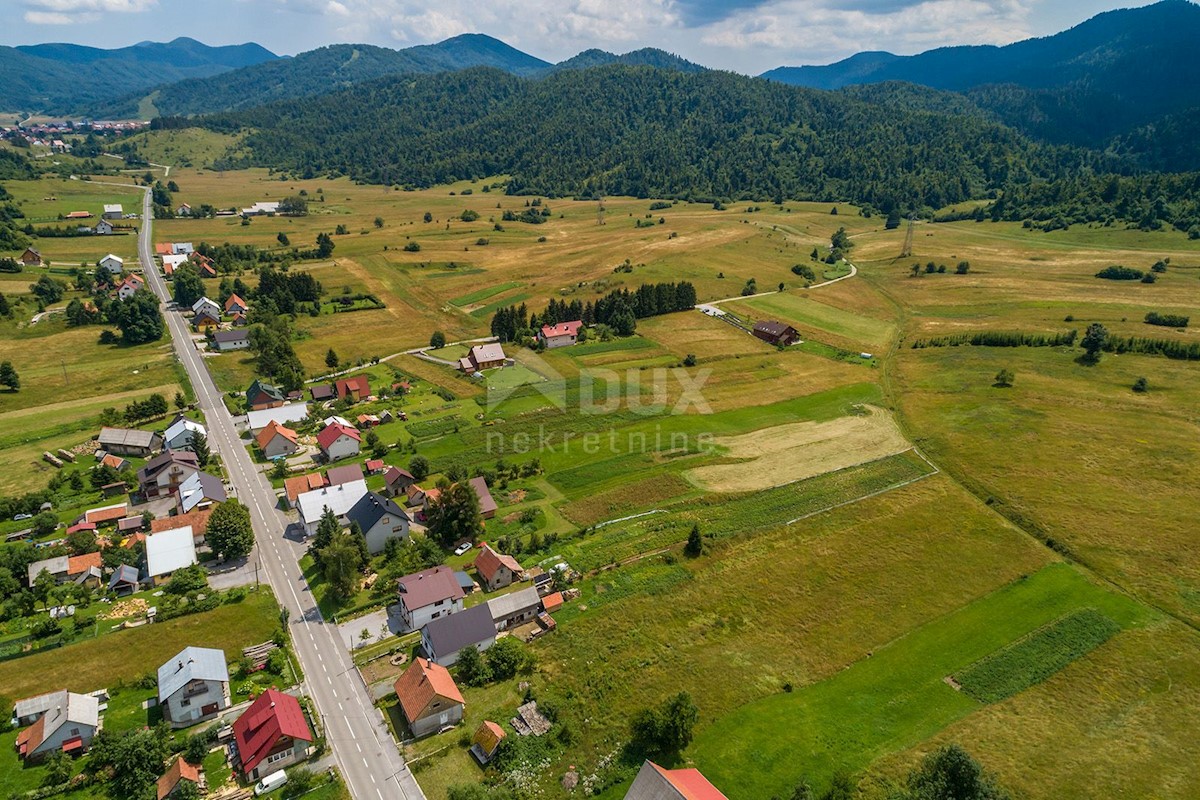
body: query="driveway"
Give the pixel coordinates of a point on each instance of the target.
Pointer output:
(379, 625)
(228, 574)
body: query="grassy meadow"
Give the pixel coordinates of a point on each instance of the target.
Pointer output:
(1039, 533)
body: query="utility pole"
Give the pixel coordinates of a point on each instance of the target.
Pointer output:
(908, 240)
(600, 210)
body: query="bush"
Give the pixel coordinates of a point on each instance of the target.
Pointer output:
(1118, 273)
(412, 247)
(1167, 320)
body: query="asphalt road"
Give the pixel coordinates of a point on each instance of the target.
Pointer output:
(366, 754)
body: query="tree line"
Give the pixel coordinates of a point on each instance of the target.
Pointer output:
(619, 309)
(1000, 339)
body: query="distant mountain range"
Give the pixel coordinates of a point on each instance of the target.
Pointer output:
(1107, 76)
(65, 78)
(1120, 81)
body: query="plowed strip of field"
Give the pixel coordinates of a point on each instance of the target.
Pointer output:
(787, 453)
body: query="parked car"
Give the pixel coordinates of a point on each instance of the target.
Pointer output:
(20, 517)
(271, 782)
(462, 548)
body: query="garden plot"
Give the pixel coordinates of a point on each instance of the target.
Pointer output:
(788, 453)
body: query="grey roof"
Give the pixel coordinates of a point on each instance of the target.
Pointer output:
(198, 487)
(347, 473)
(372, 508)
(454, 632)
(465, 581)
(231, 336)
(487, 503)
(429, 586)
(506, 605)
(165, 459)
(292, 412)
(191, 664)
(322, 391)
(128, 437)
(123, 574)
(39, 704)
(55, 566)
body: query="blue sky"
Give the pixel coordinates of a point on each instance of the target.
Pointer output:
(743, 35)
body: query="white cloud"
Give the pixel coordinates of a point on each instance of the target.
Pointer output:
(800, 31)
(104, 6)
(48, 18)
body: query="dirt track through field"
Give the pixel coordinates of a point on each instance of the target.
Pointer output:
(788, 453)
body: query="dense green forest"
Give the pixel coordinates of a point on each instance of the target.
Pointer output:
(646, 132)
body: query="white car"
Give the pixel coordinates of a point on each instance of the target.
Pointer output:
(20, 517)
(462, 548)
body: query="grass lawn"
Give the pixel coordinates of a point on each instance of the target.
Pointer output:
(107, 662)
(893, 699)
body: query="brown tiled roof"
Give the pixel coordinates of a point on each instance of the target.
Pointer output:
(488, 561)
(420, 683)
(78, 564)
(295, 486)
(178, 770)
(197, 519)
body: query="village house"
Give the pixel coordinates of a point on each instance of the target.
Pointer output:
(197, 519)
(380, 519)
(655, 783)
(31, 257)
(183, 210)
(193, 686)
(129, 441)
(114, 265)
(61, 721)
(173, 262)
(338, 499)
(564, 334)
(106, 515)
(299, 484)
(277, 441)
(428, 698)
(397, 480)
(232, 340)
(180, 433)
(496, 570)
(481, 357)
(264, 395)
(239, 321)
(416, 496)
(204, 265)
(103, 228)
(164, 249)
(205, 305)
(321, 392)
(261, 208)
(198, 492)
(444, 638)
(130, 286)
(84, 570)
(776, 333)
(168, 551)
(113, 211)
(487, 504)
(166, 471)
(515, 608)
(114, 461)
(235, 305)
(338, 441)
(205, 322)
(375, 466)
(346, 473)
(355, 389)
(427, 595)
(269, 735)
(182, 248)
(289, 413)
(179, 773)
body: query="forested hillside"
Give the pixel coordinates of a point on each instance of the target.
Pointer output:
(645, 132)
(328, 69)
(1101, 79)
(69, 78)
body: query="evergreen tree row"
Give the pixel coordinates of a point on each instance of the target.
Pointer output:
(619, 309)
(1000, 339)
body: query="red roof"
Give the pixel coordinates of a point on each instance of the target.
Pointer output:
(331, 433)
(164, 248)
(78, 564)
(271, 717)
(346, 386)
(198, 519)
(298, 485)
(106, 514)
(420, 683)
(690, 783)
(375, 465)
(552, 601)
(489, 561)
(179, 770)
(268, 433)
(562, 329)
(81, 526)
(232, 301)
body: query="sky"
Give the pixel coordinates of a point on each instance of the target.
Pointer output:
(747, 36)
